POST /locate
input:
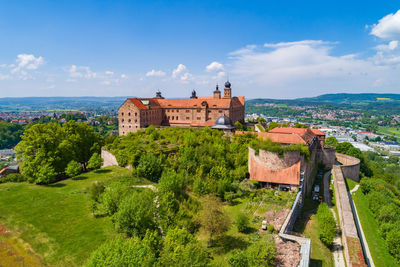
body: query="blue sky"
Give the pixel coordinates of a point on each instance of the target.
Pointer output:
(277, 49)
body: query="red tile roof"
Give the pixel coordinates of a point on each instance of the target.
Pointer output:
(317, 132)
(305, 133)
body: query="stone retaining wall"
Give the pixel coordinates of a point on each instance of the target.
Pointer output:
(108, 158)
(350, 166)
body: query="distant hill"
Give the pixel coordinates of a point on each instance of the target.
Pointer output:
(351, 98)
(60, 103)
(384, 104)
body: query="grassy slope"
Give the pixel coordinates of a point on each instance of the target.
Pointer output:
(376, 243)
(56, 220)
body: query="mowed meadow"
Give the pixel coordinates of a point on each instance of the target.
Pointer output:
(56, 220)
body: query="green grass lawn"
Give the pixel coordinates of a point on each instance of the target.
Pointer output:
(376, 243)
(56, 220)
(389, 130)
(350, 184)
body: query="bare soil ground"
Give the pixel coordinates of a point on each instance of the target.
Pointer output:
(288, 253)
(276, 218)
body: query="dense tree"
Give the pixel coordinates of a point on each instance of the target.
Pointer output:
(180, 248)
(124, 252)
(9, 134)
(112, 197)
(242, 222)
(331, 141)
(46, 149)
(73, 169)
(136, 213)
(261, 253)
(149, 167)
(213, 218)
(95, 161)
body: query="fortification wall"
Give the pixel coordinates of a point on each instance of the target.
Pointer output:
(350, 166)
(287, 234)
(326, 155)
(351, 242)
(108, 158)
(272, 161)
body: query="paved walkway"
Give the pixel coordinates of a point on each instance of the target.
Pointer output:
(370, 261)
(337, 246)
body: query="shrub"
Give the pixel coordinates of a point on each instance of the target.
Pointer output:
(73, 169)
(149, 167)
(270, 228)
(327, 224)
(95, 161)
(242, 222)
(14, 178)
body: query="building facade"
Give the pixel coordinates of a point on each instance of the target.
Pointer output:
(138, 113)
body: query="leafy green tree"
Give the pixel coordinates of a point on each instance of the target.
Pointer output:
(95, 161)
(180, 248)
(9, 134)
(112, 197)
(261, 253)
(149, 167)
(167, 210)
(136, 214)
(331, 141)
(237, 258)
(242, 222)
(271, 126)
(326, 223)
(170, 181)
(213, 218)
(96, 190)
(73, 169)
(123, 252)
(46, 149)
(392, 239)
(239, 126)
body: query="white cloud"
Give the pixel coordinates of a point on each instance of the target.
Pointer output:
(155, 73)
(388, 27)
(392, 45)
(81, 72)
(28, 62)
(215, 66)
(181, 73)
(303, 42)
(123, 76)
(291, 69)
(107, 72)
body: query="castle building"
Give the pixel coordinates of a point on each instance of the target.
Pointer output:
(196, 111)
(290, 170)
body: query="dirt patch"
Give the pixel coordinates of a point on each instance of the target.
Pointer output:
(287, 253)
(276, 218)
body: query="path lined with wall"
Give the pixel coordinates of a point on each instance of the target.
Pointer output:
(287, 234)
(351, 242)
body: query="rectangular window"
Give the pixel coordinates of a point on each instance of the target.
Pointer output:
(199, 110)
(198, 118)
(187, 111)
(187, 118)
(177, 118)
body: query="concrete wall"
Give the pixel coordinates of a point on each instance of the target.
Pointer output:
(350, 166)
